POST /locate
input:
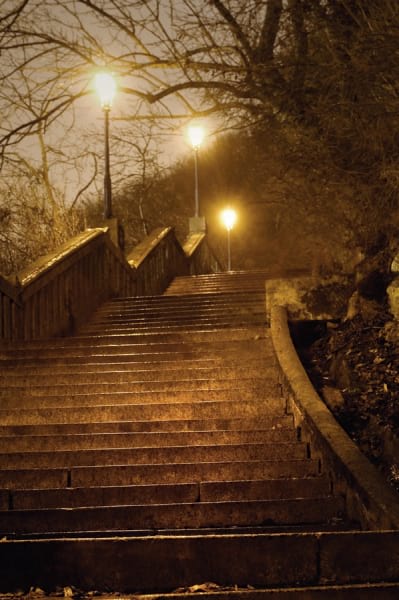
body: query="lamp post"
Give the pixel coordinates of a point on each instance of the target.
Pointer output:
(105, 85)
(196, 135)
(229, 217)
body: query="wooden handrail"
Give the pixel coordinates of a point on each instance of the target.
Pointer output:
(201, 257)
(58, 292)
(157, 259)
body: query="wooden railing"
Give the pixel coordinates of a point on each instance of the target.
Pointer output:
(201, 257)
(157, 259)
(59, 291)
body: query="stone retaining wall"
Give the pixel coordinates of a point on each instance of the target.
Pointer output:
(368, 496)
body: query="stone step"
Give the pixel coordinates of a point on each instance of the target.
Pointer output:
(211, 591)
(187, 306)
(204, 289)
(184, 308)
(81, 441)
(196, 320)
(170, 516)
(147, 329)
(228, 301)
(185, 472)
(96, 350)
(269, 422)
(190, 299)
(206, 491)
(195, 288)
(167, 562)
(183, 390)
(184, 316)
(119, 353)
(155, 363)
(186, 286)
(185, 292)
(213, 340)
(169, 301)
(266, 397)
(157, 474)
(195, 371)
(249, 337)
(239, 276)
(189, 335)
(185, 409)
(153, 455)
(253, 385)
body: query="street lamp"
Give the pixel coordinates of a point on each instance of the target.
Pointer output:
(229, 217)
(105, 85)
(196, 135)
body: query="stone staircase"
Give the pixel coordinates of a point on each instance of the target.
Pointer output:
(154, 450)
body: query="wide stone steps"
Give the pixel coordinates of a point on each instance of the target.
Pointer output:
(154, 450)
(190, 313)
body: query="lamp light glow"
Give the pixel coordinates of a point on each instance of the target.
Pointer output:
(196, 135)
(106, 88)
(229, 218)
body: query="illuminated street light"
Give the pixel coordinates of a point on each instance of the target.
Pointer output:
(229, 217)
(196, 135)
(106, 87)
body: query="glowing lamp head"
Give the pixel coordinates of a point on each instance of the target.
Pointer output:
(229, 217)
(106, 88)
(196, 135)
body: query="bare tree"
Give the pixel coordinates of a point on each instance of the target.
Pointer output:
(209, 56)
(323, 71)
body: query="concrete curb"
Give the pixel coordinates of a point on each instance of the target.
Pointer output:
(369, 497)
